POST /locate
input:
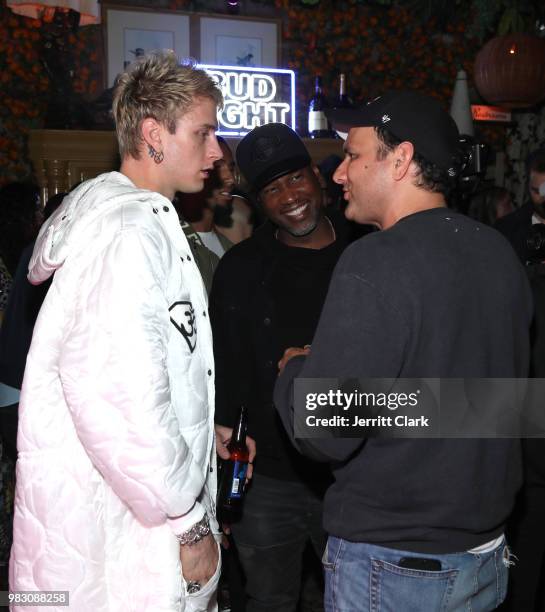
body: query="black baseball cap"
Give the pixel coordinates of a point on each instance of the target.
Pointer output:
(409, 116)
(268, 152)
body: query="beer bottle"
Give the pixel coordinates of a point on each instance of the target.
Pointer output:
(233, 479)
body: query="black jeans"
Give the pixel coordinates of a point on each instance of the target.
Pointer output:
(280, 518)
(526, 534)
(8, 430)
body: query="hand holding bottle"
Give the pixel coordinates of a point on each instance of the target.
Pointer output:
(223, 438)
(238, 451)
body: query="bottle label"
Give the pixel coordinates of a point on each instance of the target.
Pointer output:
(239, 478)
(316, 121)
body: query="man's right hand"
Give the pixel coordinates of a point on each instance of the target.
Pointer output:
(291, 352)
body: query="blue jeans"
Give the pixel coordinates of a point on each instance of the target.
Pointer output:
(365, 578)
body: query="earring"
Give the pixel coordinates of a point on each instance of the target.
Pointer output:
(157, 156)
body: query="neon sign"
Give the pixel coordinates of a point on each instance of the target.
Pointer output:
(253, 97)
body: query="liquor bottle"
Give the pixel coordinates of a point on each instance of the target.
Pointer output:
(317, 121)
(233, 478)
(343, 101)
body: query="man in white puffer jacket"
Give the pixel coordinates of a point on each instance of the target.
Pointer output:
(116, 477)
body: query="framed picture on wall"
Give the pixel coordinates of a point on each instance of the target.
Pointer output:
(131, 33)
(237, 41)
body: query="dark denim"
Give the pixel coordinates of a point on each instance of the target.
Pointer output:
(365, 578)
(526, 533)
(280, 518)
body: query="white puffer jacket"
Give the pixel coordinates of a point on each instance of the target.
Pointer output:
(116, 413)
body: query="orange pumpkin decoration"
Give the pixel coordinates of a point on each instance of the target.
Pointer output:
(509, 70)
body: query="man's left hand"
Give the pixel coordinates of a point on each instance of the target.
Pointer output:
(200, 560)
(223, 437)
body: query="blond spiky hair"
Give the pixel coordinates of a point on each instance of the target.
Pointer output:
(157, 86)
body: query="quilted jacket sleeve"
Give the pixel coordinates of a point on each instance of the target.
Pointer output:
(113, 367)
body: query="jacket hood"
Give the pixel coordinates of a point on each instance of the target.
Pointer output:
(67, 227)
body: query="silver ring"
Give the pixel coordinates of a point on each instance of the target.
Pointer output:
(193, 587)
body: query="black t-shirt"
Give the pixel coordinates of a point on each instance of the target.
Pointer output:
(299, 287)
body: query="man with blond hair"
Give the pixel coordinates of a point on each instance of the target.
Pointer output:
(116, 466)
